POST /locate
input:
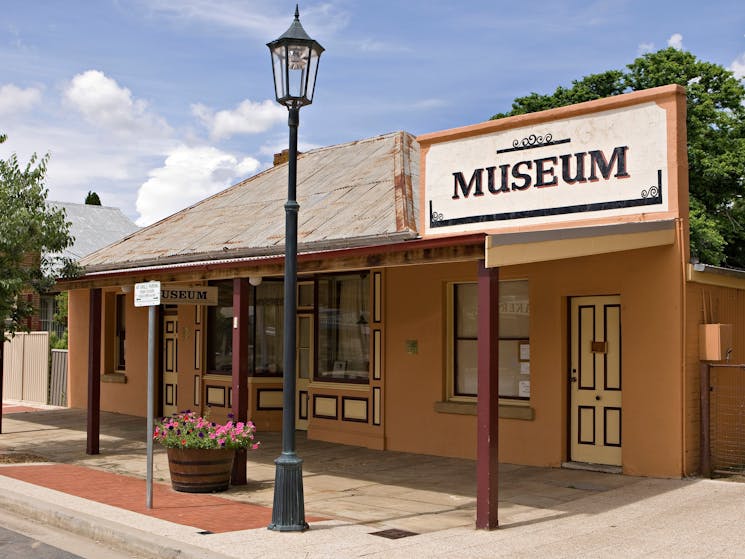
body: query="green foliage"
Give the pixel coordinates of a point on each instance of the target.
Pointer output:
(716, 140)
(30, 233)
(92, 199)
(60, 314)
(57, 342)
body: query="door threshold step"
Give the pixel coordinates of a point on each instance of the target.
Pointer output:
(604, 468)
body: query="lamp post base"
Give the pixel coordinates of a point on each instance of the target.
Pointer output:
(288, 512)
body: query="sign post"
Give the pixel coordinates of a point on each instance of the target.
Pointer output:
(148, 295)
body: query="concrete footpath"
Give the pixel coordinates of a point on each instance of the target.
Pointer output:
(359, 503)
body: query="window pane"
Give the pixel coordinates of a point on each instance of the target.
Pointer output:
(267, 329)
(514, 339)
(514, 309)
(120, 333)
(466, 304)
(220, 331)
(343, 327)
(466, 367)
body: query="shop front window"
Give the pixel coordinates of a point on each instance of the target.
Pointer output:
(266, 326)
(220, 331)
(120, 332)
(344, 328)
(514, 340)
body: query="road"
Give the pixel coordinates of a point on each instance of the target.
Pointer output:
(23, 538)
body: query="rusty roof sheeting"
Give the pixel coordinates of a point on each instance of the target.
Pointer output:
(355, 194)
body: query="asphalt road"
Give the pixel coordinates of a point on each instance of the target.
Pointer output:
(23, 538)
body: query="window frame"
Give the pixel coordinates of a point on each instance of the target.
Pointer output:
(451, 352)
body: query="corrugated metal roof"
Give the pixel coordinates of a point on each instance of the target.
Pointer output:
(354, 194)
(93, 227)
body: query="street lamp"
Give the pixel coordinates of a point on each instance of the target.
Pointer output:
(295, 59)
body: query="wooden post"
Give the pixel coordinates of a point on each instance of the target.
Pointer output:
(241, 291)
(94, 372)
(487, 459)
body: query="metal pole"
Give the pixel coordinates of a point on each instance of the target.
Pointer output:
(288, 512)
(150, 398)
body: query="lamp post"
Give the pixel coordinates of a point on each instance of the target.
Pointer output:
(295, 59)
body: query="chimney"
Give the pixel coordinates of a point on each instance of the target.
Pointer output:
(281, 157)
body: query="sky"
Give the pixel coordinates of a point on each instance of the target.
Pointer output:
(157, 104)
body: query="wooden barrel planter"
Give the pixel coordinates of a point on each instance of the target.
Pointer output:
(200, 470)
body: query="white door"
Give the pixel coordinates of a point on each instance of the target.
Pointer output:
(170, 364)
(596, 413)
(303, 369)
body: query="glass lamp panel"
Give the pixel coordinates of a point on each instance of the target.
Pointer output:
(280, 72)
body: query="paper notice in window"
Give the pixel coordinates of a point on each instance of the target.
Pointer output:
(524, 367)
(523, 389)
(524, 352)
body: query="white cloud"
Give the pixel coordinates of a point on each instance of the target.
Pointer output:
(675, 41)
(738, 66)
(188, 175)
(13, 99)
(247, 118)
(323, 19)
(106, 104)
(644, 48)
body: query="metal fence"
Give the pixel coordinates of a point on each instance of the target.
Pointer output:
(27, 375)
(726, 395)
(26, 367)
(58, 378)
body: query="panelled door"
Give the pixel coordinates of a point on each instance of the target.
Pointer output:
(170, 363)
(303, 369)
(596, 380)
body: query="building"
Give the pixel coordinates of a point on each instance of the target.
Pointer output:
(525, 280)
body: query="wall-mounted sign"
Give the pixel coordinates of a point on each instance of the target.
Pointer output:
(175, 294)
(596, 165)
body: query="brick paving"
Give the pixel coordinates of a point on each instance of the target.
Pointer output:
(205, 512)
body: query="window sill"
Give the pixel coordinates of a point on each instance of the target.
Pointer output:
(506, 411)
(119, 378)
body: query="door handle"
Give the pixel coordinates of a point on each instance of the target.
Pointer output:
(597, 398)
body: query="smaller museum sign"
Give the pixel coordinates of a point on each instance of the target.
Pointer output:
(598, 165)
(174, 294)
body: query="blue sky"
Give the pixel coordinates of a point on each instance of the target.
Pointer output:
(156, 104)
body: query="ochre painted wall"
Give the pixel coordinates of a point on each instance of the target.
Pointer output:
(650, 284)
(129, 397)
(77, 356)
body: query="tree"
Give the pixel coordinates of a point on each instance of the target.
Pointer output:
(32, 233)
(716, 140)
(92, 199)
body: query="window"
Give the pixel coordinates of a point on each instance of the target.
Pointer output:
(514, 340)
(120, 332)
(266, 318)
(220, 330)
(344, 328)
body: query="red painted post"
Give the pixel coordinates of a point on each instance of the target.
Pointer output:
(240, 369)
(94, 372)
(487, 450)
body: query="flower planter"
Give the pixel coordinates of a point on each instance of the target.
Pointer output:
(200, 470)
